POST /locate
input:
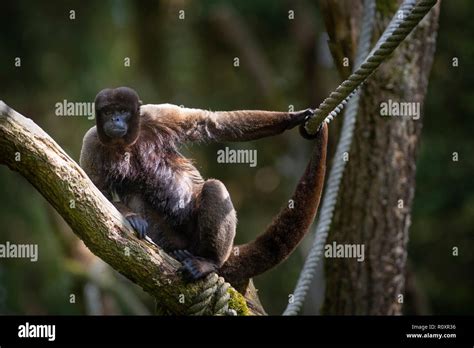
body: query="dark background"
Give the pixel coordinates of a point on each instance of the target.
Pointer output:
(190, 62)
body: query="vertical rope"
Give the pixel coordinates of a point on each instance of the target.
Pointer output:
(330, 195)
(407, 17)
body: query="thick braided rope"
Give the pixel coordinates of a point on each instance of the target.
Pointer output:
(330, 195)
(329, 199)
(332, 105)
(213, 298)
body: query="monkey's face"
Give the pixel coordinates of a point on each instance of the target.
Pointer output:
(117, 115)
(116, 118)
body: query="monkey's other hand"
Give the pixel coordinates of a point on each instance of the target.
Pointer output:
(139, 225)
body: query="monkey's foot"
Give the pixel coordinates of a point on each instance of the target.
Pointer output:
(139, 225)
(181, 254)
(194, 267)
(197, 267)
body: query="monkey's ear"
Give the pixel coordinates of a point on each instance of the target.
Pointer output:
(140, 103)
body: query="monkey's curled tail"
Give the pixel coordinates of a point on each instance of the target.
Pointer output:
(289, 226)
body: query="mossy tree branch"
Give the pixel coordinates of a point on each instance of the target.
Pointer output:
(28, 150)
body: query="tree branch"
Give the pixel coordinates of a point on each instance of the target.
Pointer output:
(28, 150)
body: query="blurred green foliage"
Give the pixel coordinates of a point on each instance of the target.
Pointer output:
(190, 62)
(443, 214)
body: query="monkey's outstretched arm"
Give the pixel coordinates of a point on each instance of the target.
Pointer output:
(243, 125)
(288, 228)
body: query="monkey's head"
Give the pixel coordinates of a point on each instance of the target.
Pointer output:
(118, 116)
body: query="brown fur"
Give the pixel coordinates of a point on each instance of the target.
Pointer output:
(153, 180)
(287, 229)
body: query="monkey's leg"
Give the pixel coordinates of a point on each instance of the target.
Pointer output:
(212, 241)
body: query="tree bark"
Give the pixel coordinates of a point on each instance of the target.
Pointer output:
(377, 189)
(27, 149)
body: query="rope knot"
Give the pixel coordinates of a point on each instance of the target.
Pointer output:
(213, 298)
